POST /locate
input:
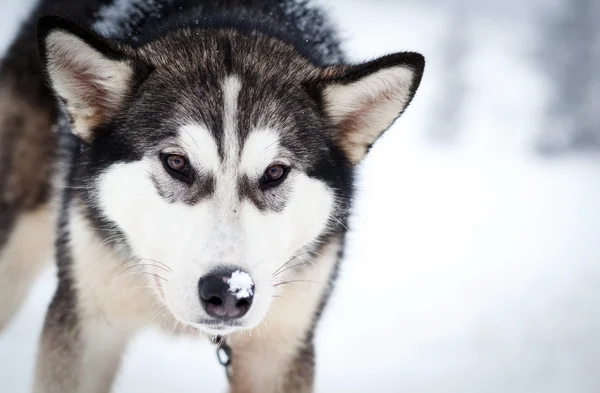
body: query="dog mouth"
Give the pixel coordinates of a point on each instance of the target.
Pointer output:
(216, 327)
(219, 325)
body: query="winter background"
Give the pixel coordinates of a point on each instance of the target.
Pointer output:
(474, 256)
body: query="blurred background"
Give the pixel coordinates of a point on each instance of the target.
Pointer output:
(473, 261)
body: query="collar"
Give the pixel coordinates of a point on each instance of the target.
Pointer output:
(223, 354)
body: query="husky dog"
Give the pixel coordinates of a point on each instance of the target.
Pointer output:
(192, 164)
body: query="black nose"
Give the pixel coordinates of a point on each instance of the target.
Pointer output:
(226, 294)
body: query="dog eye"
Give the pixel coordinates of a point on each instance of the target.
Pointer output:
(274, 175)
(177, 166)
(176, 163)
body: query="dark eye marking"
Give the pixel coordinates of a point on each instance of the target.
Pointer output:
(177, 166)
(274, 175)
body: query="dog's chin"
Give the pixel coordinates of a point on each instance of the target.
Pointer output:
(213, 327)
(222, 329)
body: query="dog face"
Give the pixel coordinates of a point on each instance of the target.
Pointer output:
(225, 166)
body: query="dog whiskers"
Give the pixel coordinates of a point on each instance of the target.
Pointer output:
(155, 275)
(112, 239)
(147, 273)
(157, 261)
(303, 263)
(144, 264)
(341, 223)
(288, 261)
(316, 253)
(157, 264)
(289, 267)
(295, 281)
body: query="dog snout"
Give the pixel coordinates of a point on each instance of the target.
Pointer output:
(226, 294)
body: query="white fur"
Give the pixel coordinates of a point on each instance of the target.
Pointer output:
(104, 344)
(201, 147)
(261, 149)
(79, 73)
(372, 103)
(27, 249)
(231, 90)
(108, 287)
(193, 239)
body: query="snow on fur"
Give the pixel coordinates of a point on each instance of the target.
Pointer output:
(241, 284)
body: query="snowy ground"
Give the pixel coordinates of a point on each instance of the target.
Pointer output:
(472, 267)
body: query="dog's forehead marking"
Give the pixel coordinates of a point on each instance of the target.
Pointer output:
(251, 157)
(231, 91)
(226, 194)
(238, 160)
(259, 151)
(202, 146)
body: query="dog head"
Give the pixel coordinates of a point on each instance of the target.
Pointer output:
(223, 159)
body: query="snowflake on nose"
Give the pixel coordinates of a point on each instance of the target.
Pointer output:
(241, 284)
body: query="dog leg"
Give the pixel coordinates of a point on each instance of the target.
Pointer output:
(270, 367)
(278, 355)
(77, 354)
(27, 152)
(28, 247)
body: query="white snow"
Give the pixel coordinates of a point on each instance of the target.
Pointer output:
(472, 267)
(241, 284)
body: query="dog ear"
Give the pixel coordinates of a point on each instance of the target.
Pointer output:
(362, 101)
(91, 76)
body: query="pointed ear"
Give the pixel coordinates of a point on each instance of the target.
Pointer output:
(362, 101)
(90, 76)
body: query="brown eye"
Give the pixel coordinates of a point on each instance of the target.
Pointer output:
(274, 174)
(178, 167)
(176, 163)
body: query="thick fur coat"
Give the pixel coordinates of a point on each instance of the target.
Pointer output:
(193, 164)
